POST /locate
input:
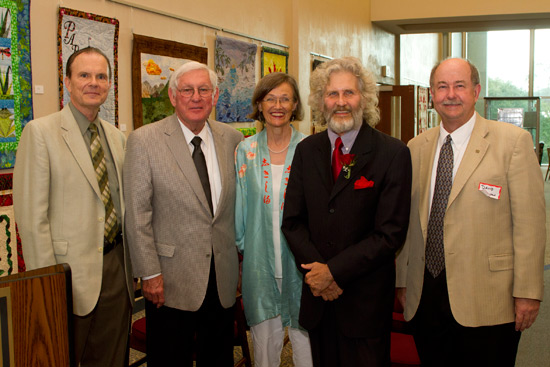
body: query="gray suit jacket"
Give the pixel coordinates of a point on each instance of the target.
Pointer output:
(494, 248)
(57, 202)
(169, 226)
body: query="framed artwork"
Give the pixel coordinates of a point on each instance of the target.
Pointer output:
(235, 66)
(422, 109)
(153, 62)
(274, 60)
(15, 76)
(77, 30)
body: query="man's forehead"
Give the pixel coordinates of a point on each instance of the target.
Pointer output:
(199, 76)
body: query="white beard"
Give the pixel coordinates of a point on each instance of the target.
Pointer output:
(343, 126)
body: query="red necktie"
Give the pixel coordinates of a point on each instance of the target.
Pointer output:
(337, 158)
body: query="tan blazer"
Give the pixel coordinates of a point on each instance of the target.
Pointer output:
(169, 226)
(494, 249)
(57, 202)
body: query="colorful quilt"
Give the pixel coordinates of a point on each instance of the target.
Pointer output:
(235, 65)
(11, 256)
(78, 30)
(15, 76)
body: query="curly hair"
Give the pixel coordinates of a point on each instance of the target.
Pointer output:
(365, 80)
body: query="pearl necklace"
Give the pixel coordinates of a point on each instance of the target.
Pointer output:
(280, 151)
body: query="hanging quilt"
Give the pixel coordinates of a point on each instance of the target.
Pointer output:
(78, 30)
(15, 76)
(235, 66)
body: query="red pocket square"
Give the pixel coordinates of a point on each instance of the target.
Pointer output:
(363, 183)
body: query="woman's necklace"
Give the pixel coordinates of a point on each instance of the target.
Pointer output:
(280, 151)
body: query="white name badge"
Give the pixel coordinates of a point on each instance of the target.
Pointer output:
(491, 191)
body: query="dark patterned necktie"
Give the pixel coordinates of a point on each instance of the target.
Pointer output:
(435, 253)
(337, 158)
(200, 164)
(98, 159)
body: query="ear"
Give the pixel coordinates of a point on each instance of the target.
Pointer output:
(172, 97)
(216, 95)
(477, 91)
(68, 84)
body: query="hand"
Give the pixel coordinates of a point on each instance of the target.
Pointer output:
(401, 294)
(318, 278)
(332, 292)
(153, 290)
(526, 312)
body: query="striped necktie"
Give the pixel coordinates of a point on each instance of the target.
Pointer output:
(98, 159)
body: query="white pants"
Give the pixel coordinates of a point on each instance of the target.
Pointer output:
(268, 337)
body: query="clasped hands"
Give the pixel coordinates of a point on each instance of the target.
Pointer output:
(320, 281)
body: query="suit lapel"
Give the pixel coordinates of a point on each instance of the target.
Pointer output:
(427, 154)
(177, 144)
(77, 146)
(116, 152)
(475, 151)
(324, 165)
(225, 169)
(362, 148)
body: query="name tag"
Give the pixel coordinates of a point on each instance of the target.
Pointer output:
(491, 191)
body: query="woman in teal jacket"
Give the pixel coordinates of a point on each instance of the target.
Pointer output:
(271, 283)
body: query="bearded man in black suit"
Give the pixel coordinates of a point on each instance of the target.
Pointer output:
(346, 214)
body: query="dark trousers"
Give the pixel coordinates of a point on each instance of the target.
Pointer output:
(173, 335)
(330, 348)
(101, 337)
(442, 341)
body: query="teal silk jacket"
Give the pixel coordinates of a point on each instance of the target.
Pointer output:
(254, 233)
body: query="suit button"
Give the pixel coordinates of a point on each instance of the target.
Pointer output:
(100, 249)
(331, 211)
(207, 255)
(100, 219)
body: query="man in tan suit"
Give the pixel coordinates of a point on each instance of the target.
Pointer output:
(471, 270)
(66, 215)
(180, 195)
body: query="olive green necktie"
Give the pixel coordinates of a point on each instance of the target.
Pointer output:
(98, 159)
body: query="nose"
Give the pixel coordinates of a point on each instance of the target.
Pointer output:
(451, 92)
(341, 100)
(196, 96)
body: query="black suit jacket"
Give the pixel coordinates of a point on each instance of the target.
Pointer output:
(356, 231)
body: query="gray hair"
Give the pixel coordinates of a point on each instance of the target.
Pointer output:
(190, 66)
(367, 87)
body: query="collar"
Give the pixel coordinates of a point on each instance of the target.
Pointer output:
(460, 135)
(82, 121)
(204, 134)
(348, 139)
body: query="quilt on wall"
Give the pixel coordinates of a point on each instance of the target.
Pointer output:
(235, 66)
(15, 76)
(274, 60)
(78, 30)
(11, 257)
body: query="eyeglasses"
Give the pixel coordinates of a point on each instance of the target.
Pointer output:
(190, 92)
(272, 101)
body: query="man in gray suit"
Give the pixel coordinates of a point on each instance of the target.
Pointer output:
(69, 209)
(180, 193)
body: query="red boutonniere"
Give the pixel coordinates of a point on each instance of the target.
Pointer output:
(348, 161)
(363, 183)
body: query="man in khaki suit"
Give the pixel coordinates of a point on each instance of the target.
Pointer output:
(60, 210)
(182, 240)
(472, 310)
